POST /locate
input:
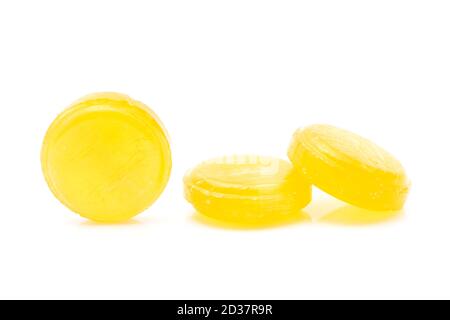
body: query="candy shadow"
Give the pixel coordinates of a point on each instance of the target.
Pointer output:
(354, 216)
(331, 211)
(302, 217)
(127, 223)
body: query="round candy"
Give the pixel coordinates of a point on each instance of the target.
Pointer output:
(247, 189)
(106, 157)
(349, 167)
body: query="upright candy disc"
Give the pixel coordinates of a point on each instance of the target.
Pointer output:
(106, 157)
(247, 189)
(349, 167)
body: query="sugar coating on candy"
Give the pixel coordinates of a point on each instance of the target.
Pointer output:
(247, 189)
(106, 157)
(350, 167)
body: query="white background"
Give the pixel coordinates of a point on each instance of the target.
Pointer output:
(228, 77)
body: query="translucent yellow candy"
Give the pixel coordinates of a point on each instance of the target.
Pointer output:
(106, 157)
(247, 189)
(349, 167)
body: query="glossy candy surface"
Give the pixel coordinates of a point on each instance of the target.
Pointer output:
(106, 157)
(247, 189)
(349, 167)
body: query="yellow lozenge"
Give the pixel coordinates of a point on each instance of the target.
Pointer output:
(247, 189)
(349, 167)
(106, 157)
